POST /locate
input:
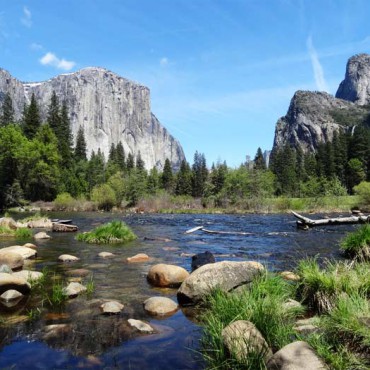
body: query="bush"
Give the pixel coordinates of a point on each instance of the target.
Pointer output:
(104, 196)
(112, 232)
(363, 191)
(357, 244)
(64, 201)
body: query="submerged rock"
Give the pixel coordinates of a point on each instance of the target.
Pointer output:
(226, 275)
(295, 356)
(78, 272)
(140, 257)
(141, 326)
(162, 275)
(106, 254)
(10, 295)
(41, 235)
(242, 338)
(160, 306)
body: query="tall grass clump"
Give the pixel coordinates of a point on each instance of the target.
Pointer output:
(111, 232)
(6, 231)
(320, 288)
(23, 233)
(263, 305)
(356, 245)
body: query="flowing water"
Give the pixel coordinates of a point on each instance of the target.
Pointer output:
(92, 340)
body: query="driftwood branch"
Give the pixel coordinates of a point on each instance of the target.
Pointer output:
(201, 228)
(305, 222)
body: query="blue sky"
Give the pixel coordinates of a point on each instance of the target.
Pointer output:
(221, 72)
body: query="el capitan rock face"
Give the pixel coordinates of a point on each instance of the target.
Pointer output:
(313, 117)
(109, 108)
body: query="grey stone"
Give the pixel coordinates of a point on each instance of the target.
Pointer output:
(241, 338)
(74, 289)
(111, 307)
(111, 109)
(11, 259)
(160, 306)
(141, 326)
(10, 295)
(41, 235)
(67, 258)
(29, 275)
(226, 275)
(295, 356)
(23, 251)
(9, 281)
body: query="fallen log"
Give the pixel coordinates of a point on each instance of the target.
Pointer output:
(193, 229)
(305, 222)
(64, 227)
(226, 232)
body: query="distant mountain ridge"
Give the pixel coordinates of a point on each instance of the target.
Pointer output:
(109, 107)
(313, 117)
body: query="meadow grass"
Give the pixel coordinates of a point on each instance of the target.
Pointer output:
(356, 244)
(111, 232)
(262, 304)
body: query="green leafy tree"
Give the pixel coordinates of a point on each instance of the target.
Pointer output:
(104, 196)
(31, 119)
(356, 172)
(7, 111)
(117, 183)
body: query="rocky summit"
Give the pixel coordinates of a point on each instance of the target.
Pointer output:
(110, 108)
(313, 117)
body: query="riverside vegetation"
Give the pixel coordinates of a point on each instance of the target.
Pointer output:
(38, 162)
(337, 295)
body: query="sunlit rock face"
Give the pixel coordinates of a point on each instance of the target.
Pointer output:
(109, 108)
(356, 85)
(313, 117)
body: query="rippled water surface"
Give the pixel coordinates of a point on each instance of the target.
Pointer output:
(95, 341)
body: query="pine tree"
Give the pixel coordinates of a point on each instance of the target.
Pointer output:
(53, 117)
(80, 149)
(120, 156)
(183, 182)
(167, 176)
(112, 153)
(7, 111)
(130, 164)
(200, 174)
(65, 138)
(140, 164)
(259, 161)
(31, 120)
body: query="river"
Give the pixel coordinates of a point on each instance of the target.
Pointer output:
(95, 341)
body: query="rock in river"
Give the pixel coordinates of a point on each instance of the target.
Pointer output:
(162, 275)
(140, 257)
(9, 281)
(141, 326)
(10, 295)
(226, 275)
(41, 235)
(23, 251)
(74, 289)
(160, 306)
(202, 259)
(67, 258)
(11, 259)
(111, 307)
(29, 275)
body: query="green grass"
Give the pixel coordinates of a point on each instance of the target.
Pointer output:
(112, 232)
(6, 231)
(262, 304)
(356, 245)
(23, 233)
(36, 216)
(320, 288)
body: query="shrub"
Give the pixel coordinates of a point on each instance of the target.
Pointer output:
(104, 196)
(357, 244)
(64, 201)
(363, 191)
(112, 232)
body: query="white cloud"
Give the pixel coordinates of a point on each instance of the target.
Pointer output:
(35, 46)
(163, 62)
(318, 71)
(50, 59)
(27, 17)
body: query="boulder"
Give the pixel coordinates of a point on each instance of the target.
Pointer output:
(292, 304)
(8, 222)
(23, 251)
(162, 275)
(29, 275)
(105, 254)
(307, 326)
(295, 356)
(11, 295)
(160, 306)
(74, 289)
(11, 259)
(242, 338)
(56, 332)
(44, 223)
(291, 276)
(41, 235)
(111, 307)
(140, 257)
(9, 281)
(226, 275)
(30, 245)
(140, 325)
(202, 259)
(67, 258)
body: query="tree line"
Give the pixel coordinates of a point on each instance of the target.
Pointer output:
(38, 161)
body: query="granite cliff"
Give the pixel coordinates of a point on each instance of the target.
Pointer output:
(109, 108)
(313, 117)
